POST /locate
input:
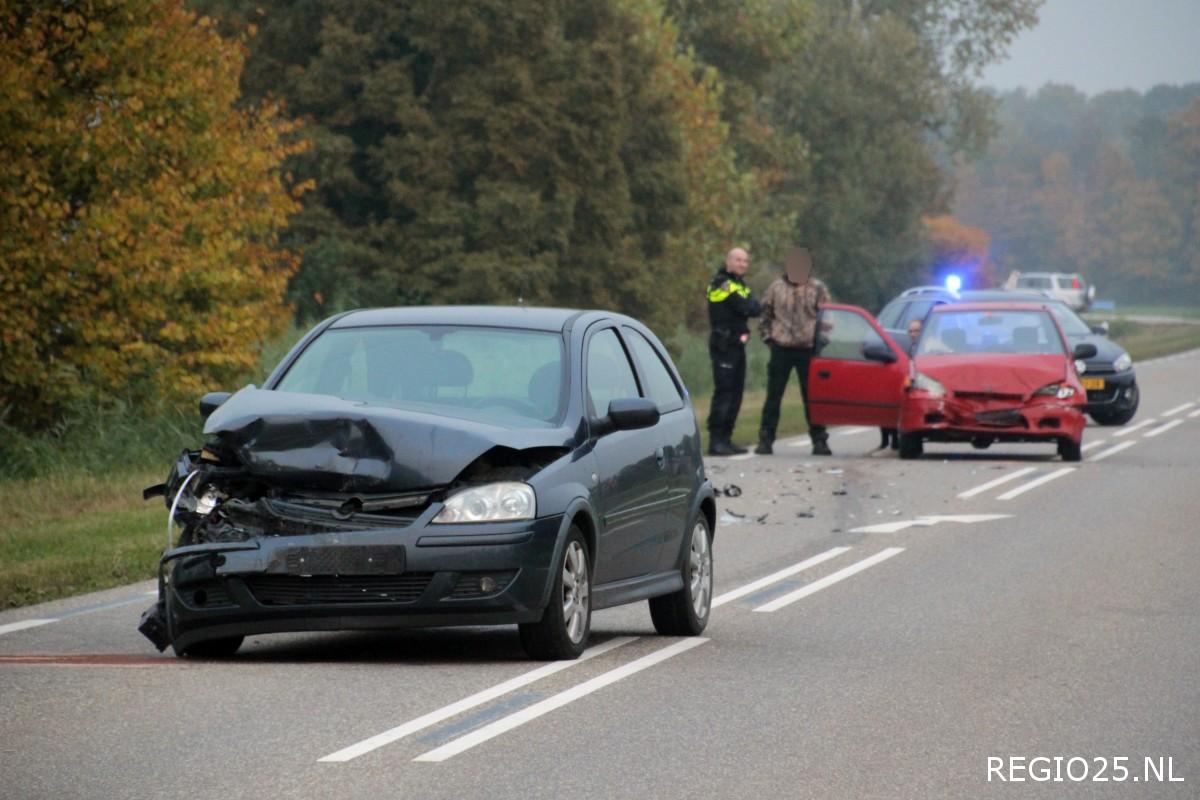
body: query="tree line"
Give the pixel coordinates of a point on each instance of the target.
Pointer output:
(1108, 186)
(188, 175)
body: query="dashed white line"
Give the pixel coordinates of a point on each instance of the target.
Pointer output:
(1184, 407)
(1163, 429)
(1132, 428)
(775, 577)
(1112, 451)
(800, 441)
(518, 718)
(852, 431)
(829, 580)
(477, 699)
(1003, 479)
(1092, 445)
(13, 627)
(1194, 414)
(1036, 482)
(741, 457)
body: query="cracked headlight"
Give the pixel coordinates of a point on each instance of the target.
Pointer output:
(493, 502)
(1123, 363)
(1060, 390)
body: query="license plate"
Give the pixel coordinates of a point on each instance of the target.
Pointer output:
(345, 560)
(1093, 384)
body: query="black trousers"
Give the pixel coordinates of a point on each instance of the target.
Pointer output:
(729, 381)
(779, 371)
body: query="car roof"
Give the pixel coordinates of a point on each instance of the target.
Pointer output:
(527, 317)
(1043, 274)
(1009, 295)
(993, 305)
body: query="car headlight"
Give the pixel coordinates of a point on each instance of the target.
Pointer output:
(1059, 390)
(927, 384)
(1080, 366)
(493, 502)
(1123, 362)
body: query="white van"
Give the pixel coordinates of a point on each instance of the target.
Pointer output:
(1069, 287)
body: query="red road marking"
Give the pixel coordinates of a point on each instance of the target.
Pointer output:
(88, 660)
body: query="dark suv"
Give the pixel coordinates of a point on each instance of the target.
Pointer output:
(1109, 378)
(443, 466)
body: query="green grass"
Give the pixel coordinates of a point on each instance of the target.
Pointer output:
(1151, 341)
(1122, 310)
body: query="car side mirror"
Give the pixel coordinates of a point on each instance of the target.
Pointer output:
(211, 402)
(632, 413)
(1100, 330)
(878, 351)
(1084, 351)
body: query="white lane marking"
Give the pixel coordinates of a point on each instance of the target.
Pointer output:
(1132, 428)
(518, 718)
(775, 577)
(1035, 483)
(1194, 414)
(1112, 451)
(853, 431)
(1163, 429)
(926, 522)
(829, 580)
(477, 699)
(1184, 407)
(741, 457)
(1092, 445)
(1003, 479)
(800, 441)
(13, 627)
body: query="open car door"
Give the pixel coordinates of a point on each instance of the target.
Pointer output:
(857, 374)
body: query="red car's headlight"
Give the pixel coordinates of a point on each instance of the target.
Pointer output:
(1060, 390)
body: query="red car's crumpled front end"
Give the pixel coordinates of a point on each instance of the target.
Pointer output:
(994, 397)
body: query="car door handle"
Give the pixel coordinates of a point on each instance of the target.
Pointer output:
(823, 373)
(660, 455)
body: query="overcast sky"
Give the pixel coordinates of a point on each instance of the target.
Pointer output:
(1096, 45)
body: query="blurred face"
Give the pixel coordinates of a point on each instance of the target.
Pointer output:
(737, 261)
(914, 329)
(799, 265)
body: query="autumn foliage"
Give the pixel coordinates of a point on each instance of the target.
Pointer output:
(139, 207)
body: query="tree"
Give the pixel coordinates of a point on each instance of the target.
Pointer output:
(140, 208)
(960, 250)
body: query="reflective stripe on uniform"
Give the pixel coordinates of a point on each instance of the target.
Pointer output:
(718, 294)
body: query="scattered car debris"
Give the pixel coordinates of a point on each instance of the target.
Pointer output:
(806, 514)
(840, 492)
(730, 490)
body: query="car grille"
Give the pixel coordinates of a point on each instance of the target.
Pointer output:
(296, 590)
(1010, 398)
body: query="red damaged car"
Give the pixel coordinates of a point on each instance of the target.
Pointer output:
(978, 373)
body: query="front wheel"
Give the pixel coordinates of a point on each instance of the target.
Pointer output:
(1070, 450)
(911, 445)
(562, 632)
(1119, 415)
(686, 612)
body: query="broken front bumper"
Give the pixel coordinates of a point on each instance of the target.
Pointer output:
(949, 419)
(413, 576)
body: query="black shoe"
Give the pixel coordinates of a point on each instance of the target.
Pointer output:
(764, 448)
(737, 449)
(821, 448)
(722, 447)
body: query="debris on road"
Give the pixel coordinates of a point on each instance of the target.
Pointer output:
(730, 490)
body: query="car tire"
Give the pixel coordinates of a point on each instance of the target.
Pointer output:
(562, 632)
(1118, 416)
(981, 442)
(686, 612)
(1070, 450)
(224, 647)
(911, 445)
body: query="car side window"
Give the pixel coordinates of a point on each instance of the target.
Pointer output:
(609, 373)
(890, 316)
(916, 310)
(845, 334)
(660, 386)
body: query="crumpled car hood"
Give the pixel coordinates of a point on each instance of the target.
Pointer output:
(998, 374)
(326, 443)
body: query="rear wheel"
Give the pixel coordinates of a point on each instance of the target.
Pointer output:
(685, 612)
(562, 632)
(1070, 450)
(911, 445)
(212, 648)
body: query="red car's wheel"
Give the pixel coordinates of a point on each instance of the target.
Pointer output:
(911, 445)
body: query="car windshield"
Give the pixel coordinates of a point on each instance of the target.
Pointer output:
(1071, 324)
(496, 375)
(996, 332)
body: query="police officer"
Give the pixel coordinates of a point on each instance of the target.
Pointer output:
(729, 306)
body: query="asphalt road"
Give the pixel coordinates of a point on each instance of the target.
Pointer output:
(885, 629)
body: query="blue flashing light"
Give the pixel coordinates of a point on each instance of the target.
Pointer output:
(953, 283)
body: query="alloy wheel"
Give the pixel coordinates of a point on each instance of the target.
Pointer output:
(700, 571)
(576, 594)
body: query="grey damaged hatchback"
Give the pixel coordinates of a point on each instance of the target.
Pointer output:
(443, 466)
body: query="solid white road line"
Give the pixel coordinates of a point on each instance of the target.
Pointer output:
(1112, 451)
(1172, 412)
(518, 718)
(800, 441)
(852, 431)
(1132, 428)
(1036, 482)
(741, 457)
(927, 522)
(1003, 479)
(13, 627)
(829, 580)
(1092, 445)
(477, 699)
(1194, 414)
(1163, 429)
(775, 577)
